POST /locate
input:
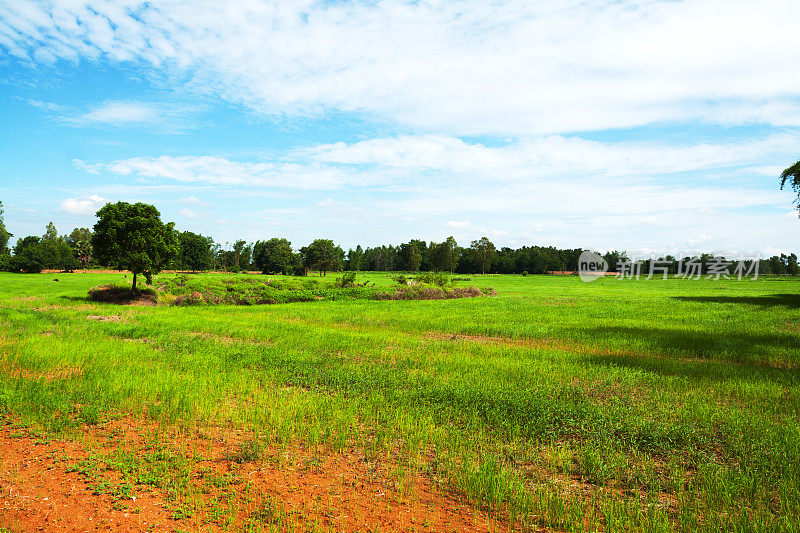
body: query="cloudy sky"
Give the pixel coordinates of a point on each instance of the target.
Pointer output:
(643, 125)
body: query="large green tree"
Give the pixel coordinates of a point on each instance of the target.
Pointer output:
(484, 253)
(132, 237)
(322, 255)
(274, 256)
(792, 176)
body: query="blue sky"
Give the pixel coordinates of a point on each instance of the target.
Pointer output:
(649, 126)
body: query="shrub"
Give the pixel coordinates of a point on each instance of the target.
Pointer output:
(524, 272)
(401, 279)
(422, 292)
(348, 279)
(432, 279)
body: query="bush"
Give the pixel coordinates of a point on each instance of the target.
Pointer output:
(401, 279)
(524, 272)
(348, 279)
(422, 292)
(432, 279)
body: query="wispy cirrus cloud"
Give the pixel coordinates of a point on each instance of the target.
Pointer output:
(167, 118)
(510, 68)
(218, 170)
(406, 160)
(120, 113)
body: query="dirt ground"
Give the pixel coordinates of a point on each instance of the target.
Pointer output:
(292, 488)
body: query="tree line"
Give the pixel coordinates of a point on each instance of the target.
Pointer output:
(113, 243)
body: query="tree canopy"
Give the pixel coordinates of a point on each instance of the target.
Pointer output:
(274, 256)
(132, 237)
(792, 176)
(195, 251)
(322, 255)
(484, 253)
(445, 255)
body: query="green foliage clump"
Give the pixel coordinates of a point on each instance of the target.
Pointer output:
(256, 290)
(132, 237)
(433, 278)
(401, 279)
(275, 256)
(348, 279)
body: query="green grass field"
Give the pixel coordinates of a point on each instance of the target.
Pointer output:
(556, 404)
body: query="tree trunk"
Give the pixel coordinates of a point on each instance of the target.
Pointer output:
(133, 288)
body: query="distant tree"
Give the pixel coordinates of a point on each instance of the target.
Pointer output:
(484, 253)
(50, 234)
(792, 175)
(28, 255)
(410, 257)
(54, 252)
(444, 256)
(274, 256)
(792, 268)
(132, 237)
(195, 251)
(414, 258)
(83, 252)
(322, 255)
(78, 235)
(80, 240)
(355, 259)
(241, 254)
(4, 234)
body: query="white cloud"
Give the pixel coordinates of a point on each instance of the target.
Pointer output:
(46, 106)
(222, 171)
(80, 164)
(120, 113)
(513, 67)
(86, 205)
(188, 213)
(192, 200)
(549, 156)
(167, 118)
(404, 162)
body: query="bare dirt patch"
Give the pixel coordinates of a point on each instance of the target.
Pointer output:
(294, 486)
(104, 318)
(38, 494)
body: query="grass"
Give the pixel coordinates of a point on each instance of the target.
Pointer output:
(639, 405)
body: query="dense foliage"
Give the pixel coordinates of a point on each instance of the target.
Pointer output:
(792, 176)
(132, 237)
